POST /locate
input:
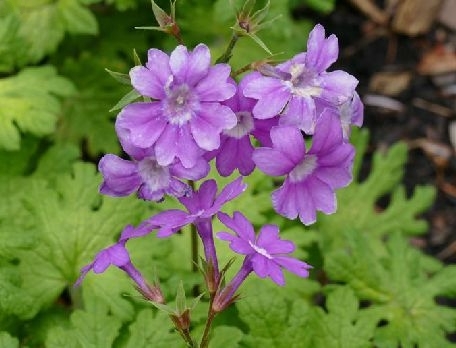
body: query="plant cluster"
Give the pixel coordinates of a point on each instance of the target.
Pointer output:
(240, 156)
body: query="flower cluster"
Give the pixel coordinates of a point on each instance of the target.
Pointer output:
(197, 113)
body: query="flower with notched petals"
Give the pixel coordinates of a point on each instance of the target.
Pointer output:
(295, 88)
(185, 116)
(311, 176)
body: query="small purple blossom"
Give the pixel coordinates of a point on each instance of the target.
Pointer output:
(185, 116)
(117, 255)
(201, 205)
(266, 252)
(296, 87)
(350, 113)
(146, 176)
(236, 149)
(311, 176)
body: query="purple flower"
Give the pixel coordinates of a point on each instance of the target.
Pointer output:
(296, 87)
(236, 149)
(185, 116)
(151, 180)
(266, 252)
(201, 205)
(351, 113)
(117, 255)
(311, 176)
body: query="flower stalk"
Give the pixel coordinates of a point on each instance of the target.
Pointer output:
(226, 56)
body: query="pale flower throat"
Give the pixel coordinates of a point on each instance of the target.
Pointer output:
(304, 169)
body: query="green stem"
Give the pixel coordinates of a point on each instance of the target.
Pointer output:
(194, 239)
(207, 329)
(194, 247)
(241, 70)
(188, 339)
(226, 56)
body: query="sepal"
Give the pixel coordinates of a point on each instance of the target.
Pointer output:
(167, 22)
(248, 23)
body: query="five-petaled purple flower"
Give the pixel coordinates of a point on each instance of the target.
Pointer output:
(185, 115)
(265, 251)
(265, 254)
(312, 176)
(201, 205)
(296, 87)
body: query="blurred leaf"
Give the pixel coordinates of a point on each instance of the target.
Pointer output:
(14, 299)
(7, 341)
(94, 329)
(77, 19)
(86, 116)
(153, 330)
(87, 119)
(226, 336)
(323, 6)
(123, 5)
(43, 24)
(10, 44)
(30, 103)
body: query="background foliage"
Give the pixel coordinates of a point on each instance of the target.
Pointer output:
(369, 287)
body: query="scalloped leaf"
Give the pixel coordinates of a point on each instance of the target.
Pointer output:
(30, 103)
(273, 319)
(88, 329)
(343, 325)
(73, 222)
(42, 26)
(401, 292)
(148, 331)
(357, 207)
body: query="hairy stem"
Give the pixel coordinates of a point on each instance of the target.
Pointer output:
(226, 56)
(207, 329)
(188, 339)
(194, 247)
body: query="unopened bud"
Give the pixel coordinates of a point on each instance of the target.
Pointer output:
(181, 321)
(152, 293)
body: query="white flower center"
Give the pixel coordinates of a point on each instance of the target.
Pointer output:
(180, 104)
(155, 176)
(304, 169)
(243, 127)
(260, 251)
(303, 82)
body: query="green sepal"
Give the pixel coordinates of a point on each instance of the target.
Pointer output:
(125, 100)
(119, 77)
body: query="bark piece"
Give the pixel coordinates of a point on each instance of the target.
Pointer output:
(415, 17)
